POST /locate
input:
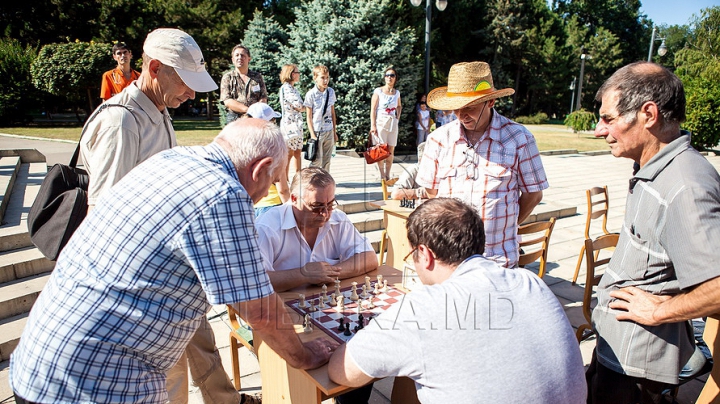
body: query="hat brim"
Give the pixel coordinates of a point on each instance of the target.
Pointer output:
(200, 82)
(438, 98)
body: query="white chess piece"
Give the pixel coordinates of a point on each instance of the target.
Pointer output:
(380, 279)
(337, 287)
(308, 325)
(368, 286)
(377, 288)
(384, 287)
(341, 303)
(364, 293)
(323, 296)
(312, 305)
(354, 295)
(302, 303)
(332, 301)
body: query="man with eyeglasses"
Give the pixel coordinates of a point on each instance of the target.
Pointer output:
(470, 328)
(308, 241)
(483, 158)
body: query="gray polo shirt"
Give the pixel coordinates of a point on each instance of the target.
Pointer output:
(669, 243)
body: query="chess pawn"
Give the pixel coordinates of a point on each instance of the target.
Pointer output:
(384, 287)
(369, 305)
(377, 288)
(380, 279)
(367, 283)
(312, 305)
(364, 293)
(323, 296)
(307, 329)
(340, 304)
(354, 295)
(332, 301)
(302, 303)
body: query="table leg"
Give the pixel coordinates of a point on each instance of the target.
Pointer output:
(281, 383)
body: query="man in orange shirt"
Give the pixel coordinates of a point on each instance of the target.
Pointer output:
(113, 81)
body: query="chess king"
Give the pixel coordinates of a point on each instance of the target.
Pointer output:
(448, 240)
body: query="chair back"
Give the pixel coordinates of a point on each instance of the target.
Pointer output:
(385, 184)
(597, 206)
(593, 252)
(536, 244)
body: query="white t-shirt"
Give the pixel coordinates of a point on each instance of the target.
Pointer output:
(487, 334)
(316, 100)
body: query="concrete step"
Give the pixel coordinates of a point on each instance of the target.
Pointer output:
(18, 296)
(10, 331)
(367, 221)
(22, 263)
(9, 167)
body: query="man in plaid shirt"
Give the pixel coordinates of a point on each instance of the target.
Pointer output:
(483, 159)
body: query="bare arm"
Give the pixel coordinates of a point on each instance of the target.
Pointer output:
(528, 201)
(235, 106)
(431, 193)
(334, 119)
(309, 117)
(344, 371)
(409, 193)
(270, 321)
(373, 113)
(316, 273)
(398, 110)
(282, 187)
(358, 264)
(648, 309)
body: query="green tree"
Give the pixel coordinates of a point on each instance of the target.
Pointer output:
(356, 41)
(265, 37)
(16, 94)
(71, 70)
(698, 67)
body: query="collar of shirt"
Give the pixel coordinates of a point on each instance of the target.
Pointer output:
(658, 162)
(216, 154)
(146, 104)
(490, 132)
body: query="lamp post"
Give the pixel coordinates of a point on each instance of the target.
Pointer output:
(440, 4)
(583, 57)
(662, 50)
(572, 92)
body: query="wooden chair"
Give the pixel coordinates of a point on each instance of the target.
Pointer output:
(240, 333)
(536, 247)
(386, 195)
(595, 209)
(592, 250)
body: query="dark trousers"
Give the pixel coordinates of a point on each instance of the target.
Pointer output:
(608, 386)
(361, 395)
(20, 400)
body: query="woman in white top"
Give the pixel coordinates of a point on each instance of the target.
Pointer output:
(291, 123)
(385, 108)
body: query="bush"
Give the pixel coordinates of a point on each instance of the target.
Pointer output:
(17, 95)
(703, 113)
(537, 119)
(581, 120)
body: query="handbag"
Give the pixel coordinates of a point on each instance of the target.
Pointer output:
(61, 203)
(376, 153)
(311, 150)
(59, 208)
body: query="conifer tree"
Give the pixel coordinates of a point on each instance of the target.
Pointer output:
(264, 36)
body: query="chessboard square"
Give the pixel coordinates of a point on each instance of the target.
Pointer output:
(390, 301)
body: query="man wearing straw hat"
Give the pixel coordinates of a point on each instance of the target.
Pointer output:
(483, 159)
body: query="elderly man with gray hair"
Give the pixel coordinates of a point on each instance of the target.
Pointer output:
(171, 238)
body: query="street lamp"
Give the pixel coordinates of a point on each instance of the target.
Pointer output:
(572, 91)
(583, 57)
(662, 50)
(441, 5)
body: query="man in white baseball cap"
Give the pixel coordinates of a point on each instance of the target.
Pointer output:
(128, 129)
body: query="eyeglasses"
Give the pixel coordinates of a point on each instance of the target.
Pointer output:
(320, 209)
(390, 75)
(470, 163)
(409, 254)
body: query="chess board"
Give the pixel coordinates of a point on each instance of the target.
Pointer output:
(326, 318)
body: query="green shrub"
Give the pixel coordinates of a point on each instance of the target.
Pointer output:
(537, 119)
(17, 95)
(581, 120)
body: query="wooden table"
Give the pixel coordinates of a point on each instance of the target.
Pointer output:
(394, 221)
(281, 383)
(711, 391)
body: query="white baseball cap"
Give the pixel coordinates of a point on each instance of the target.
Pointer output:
(175, 48)
(261, 110)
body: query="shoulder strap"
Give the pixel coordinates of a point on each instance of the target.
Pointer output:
(102, 107)
(327, 98)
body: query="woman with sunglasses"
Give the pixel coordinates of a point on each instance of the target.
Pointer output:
(385, 108)
(291, 123)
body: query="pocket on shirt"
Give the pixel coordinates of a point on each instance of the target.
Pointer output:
(447, 173)
(497, 176)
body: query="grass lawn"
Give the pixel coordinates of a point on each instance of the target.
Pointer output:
(194, 132)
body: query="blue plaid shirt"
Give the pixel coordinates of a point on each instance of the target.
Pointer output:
(128, 292)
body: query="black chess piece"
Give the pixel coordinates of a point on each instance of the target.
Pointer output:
(341, 328)
(347, 332)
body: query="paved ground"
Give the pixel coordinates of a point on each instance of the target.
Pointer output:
(569, 175)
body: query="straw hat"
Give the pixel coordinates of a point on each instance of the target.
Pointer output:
(468, 84)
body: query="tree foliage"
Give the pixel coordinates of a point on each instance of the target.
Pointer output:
(356, 41)
(698, 66)
(265, 37)
(16, 93)
(72, 70)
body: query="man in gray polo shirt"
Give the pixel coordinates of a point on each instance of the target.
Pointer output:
(664, 269)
